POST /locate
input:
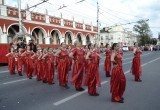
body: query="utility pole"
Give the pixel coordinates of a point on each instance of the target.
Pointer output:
(20, 16)
(98, 35)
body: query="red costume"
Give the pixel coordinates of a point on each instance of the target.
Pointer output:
(49, 74)
(78, 68)
(63, 67)
(92, 75)
(136, 69)
(107, 63)
(19, 63)
(44, 66)
(11, 63)
(98, 51)
(37, 66)
(29, 67)
(118, 80)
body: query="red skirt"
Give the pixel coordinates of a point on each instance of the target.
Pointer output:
(118, 83)
(107, 64)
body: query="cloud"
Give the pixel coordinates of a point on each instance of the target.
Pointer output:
(111, 11)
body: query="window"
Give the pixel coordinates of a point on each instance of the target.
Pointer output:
(9, 11)
(14, 12)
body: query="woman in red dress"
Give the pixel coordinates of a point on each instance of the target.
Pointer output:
(28, 67)
(44, 65)
(37, 63)
(49, 74)
(107, 63)
(92, 77)
(63, 65)
(136, 69)
(11, 61)
(78, 68)
(19, 58)
(118, 80)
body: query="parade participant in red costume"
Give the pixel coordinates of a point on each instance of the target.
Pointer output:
(11, 61)
(118, 80)
(107, 63)
(19, 58)
(44, 66)
(28, 66)
(70, 59)
(49, 74)
(37, 63)
(78, 68)
(63, 65)
(136, 69)
(92, 77)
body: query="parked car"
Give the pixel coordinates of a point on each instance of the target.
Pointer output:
(125, 48)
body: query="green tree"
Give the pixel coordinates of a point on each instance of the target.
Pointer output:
(153, 41)
(143, 32)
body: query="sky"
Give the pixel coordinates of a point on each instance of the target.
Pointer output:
(111, 12)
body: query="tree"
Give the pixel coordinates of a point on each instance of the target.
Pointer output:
(143, 32)
(153, 41)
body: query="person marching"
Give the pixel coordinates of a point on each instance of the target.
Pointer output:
(107, 63)
(118, 80)
(78, 68)
(92, 77)
(136, 68)
(28, 67)
(11, 61)
(19, 59)
(63, 65)
(49, 74)
(44, 66)
(37, 63)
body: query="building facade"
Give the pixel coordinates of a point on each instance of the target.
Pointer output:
(44, 28)
(117, 34)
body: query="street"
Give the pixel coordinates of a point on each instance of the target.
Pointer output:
(21, 93)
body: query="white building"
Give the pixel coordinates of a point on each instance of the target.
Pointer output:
(117, 34)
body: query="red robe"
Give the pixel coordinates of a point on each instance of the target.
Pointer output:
(44, 65)
(98, 52)
(63, 67)
(136, 68)
(38, 68)
(49, 74)
(19, 63)
(118, 80)
(11, 63)
(92, 77)
(29, 67)
(78, 68)
(107, 63)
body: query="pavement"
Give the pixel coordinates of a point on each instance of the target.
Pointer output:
(20, 93)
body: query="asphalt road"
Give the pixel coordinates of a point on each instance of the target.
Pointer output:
(20, 93)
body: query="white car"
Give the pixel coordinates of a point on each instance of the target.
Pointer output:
(125, 48)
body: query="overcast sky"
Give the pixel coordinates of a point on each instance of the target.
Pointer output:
(111, 11)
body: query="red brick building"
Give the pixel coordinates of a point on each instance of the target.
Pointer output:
(41, 26)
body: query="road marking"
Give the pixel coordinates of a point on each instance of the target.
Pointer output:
(10, 82)
(16, 81)
(4, 71)
(104, 82)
